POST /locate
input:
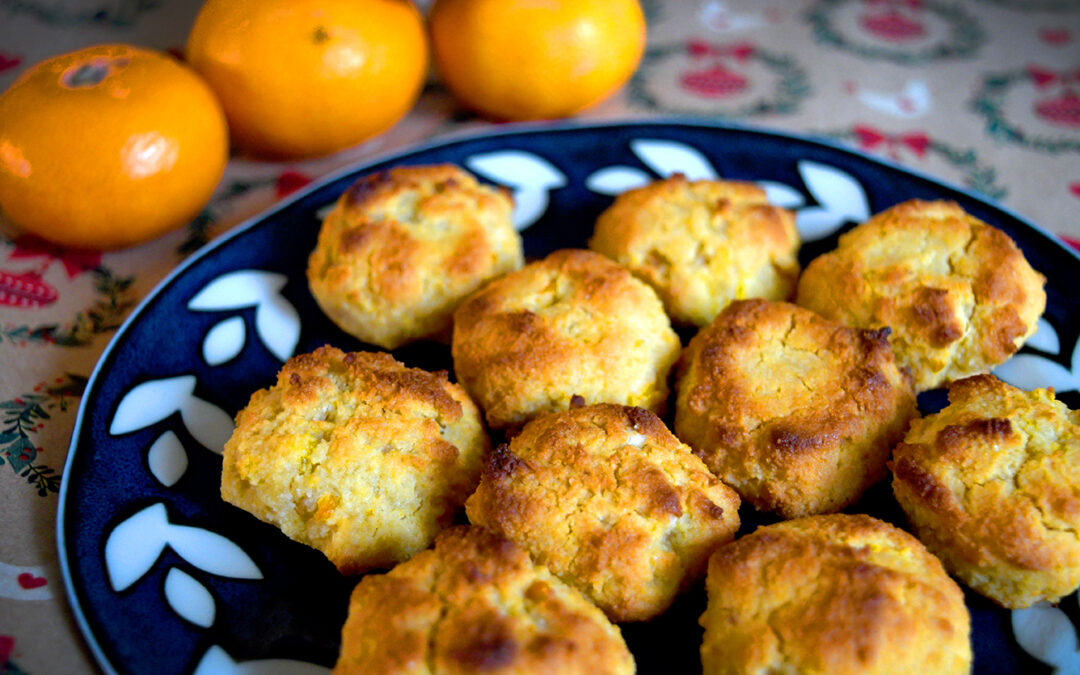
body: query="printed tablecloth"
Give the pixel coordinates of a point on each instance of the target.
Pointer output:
(980, 93)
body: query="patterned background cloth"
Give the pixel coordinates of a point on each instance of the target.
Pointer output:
(980, 93)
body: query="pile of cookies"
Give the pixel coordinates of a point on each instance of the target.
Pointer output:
(795, 395)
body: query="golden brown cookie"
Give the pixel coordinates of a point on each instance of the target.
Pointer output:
(702, 244)
(476, 604)
(611, 502)
(832, 595)
(957, 293)
(991, 485)
(403, 247)
(356, 455)
(795, 412)
(574, 323)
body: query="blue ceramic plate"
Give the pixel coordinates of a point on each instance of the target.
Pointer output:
(166, 578)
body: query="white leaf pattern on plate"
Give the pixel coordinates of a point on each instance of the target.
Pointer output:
(840, 196)
(151, 402)
(782, 195)
(1045, 632)
(224, 341)
(216, 661)
(167, 459)
(1045, 338)
(668, 158)
(615, 180)
(1032, 371)
(530, 177)
(665, 158)
(277, 322)
(189, 598)
(133, 546)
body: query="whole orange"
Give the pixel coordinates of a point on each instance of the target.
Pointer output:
(525, 59)
(108, 146)
(301, 78)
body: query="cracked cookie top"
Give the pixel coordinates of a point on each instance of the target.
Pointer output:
(612, 502)
(571, 324)
(356, 455)
(957, 293)
(991, 485)
(476, 603)
(701, 244)
(796, 412)
(832, 594)
(402, 247)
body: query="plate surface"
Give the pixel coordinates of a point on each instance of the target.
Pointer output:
(164, 577)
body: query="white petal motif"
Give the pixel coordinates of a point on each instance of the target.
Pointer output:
(615, 180)
(224, 341)
(1046, 633)
(1029, 371)
(841, 198)
(134, 545)
(782, 195)
(278, 326)
(530, 176)
(167, 459)
(1045, 338)
(151, 402)
(207, 423)
(670, 157)
(237, 290)
(189, 598)
(277, 322)
(216, 661)
(212, 552)
(324, 211)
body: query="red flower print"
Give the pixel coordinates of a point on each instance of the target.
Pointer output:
(75, 261)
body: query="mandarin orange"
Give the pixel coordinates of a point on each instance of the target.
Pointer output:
(520, 60)
(301, 78)
(108, 146)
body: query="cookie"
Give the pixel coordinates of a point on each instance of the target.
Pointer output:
(403, 247)
(609, 500)
(957, 293)
(701, 244)
(572, 324)
(991, 484)
(832, 594)
(356, 455)
(796, 412)
(475, 603)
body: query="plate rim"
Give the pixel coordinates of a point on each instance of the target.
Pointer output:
(447, 139)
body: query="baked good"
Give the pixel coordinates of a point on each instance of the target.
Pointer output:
(571, 324)
(701, 244)
(402, 247)
(356, 455)
(607, 498)
(991, 485)
(475, 603)
(832, 594)
(796, 412)
(957, 293)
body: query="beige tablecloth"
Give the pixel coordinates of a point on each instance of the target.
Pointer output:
(980, 93)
